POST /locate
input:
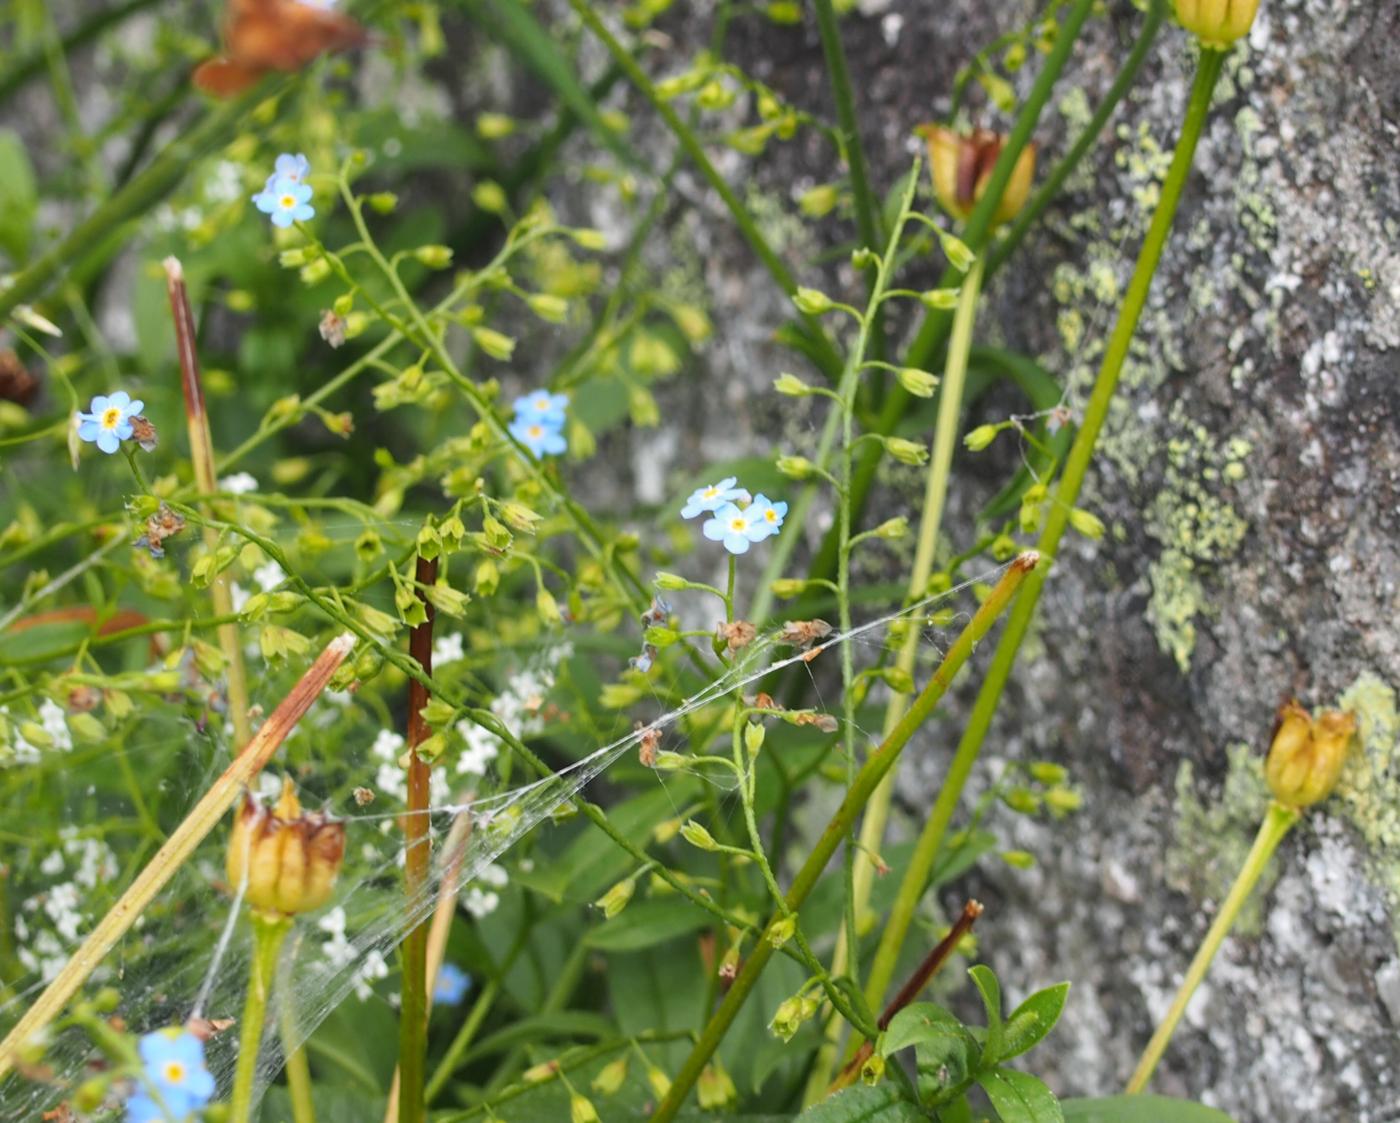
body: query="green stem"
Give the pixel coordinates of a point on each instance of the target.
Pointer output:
(827, 356)
(867, 212)
(872, 772)
(729, 590)
(268, 933)
(976, 234)
(936, 491)
(297, 1068)
(1277, 823)
(1067, 493)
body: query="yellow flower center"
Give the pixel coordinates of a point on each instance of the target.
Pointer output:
(771, 515)
(711, 492)
(288, 202)
(174, 1072)
(542, 403)
(535, 431)
(737, 524)
(111, 417)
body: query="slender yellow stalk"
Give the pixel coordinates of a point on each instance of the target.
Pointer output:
(1277, 823)
(177, 850)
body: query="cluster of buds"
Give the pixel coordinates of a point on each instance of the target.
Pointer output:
(792, 1013)
(1308, 754)
(287, 858)
(962, 164)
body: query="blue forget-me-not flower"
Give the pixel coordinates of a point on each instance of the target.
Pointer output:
(286, 200)
(451, 986)
(295, 168)
(539, 422)
(539, 438)
(766, 516)
(735, 528)
(173, 1060)
(108, 420)
(712, 498)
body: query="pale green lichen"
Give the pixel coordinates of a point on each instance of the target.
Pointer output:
(1212, 839)
(1197, 527)
(1368, 794)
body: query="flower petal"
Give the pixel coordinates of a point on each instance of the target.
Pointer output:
(108, 441)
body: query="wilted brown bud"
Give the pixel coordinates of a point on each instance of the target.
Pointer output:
(735, 635)
(332, 328)
(961, 166)
(143, 432)
(288, 857)
(1307, 754)
(1217, 23)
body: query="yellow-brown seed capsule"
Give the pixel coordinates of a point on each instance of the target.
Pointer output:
(1217, 23)
(962, 165)
(288, 857)
(1307, 754)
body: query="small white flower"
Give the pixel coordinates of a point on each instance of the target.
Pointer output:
(371, 969)
(52, 864)
(55, 724)
(240, 483)
(268, 576)
(447, 649)
(387, 745)
(482, 748)
(494, 875)
(480, 904)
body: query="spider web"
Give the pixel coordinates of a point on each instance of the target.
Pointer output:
(188, 955)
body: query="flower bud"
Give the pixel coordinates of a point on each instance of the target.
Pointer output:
(610, 1077)
(1307, 754)
(812, 301)
(581, 1109)
(892, 529)
(917, 382)
(1217, 23)
(615, 899)
(940, 299)
(787, 1019)
(906, 452)
(659, 1081)
(791, 385)
(698, 836)
(715, 1089)
(962, 165)
(981, 437)
(288, 858)
(873, 1071)
(795, 467)
(434, 257)
(781, 931)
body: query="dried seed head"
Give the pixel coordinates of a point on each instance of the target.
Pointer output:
(804, 633)
(288, 858)
(736, 635)
(1307, 754)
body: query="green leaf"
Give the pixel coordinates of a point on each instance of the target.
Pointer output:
(1140, 1109)
(19, 197)
(646, 924)
(987, 986)
(1032, 1020)
(916, 1023)
(1020, 1097)
(863, 1104)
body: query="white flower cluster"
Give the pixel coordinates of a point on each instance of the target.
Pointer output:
(340, 952)
(49, 922)
(18, 750)
(391, 779)
(480, 902)
(518, 707)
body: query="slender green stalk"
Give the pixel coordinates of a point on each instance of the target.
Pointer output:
(1066, 494)
(206, 483)
(297, 1068)
(1278, 821)
(268, 933)
(413, 1015)
(976, 234)
(877, 812)
(30, 65)
(465, 1035)
(867, 209)
(828, 359)
(872, 772)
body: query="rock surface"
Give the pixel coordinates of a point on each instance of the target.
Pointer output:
(1250, 478)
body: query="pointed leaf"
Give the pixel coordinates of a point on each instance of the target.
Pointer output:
(1032, 1020)
(990, 990)
(1020, 1097)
